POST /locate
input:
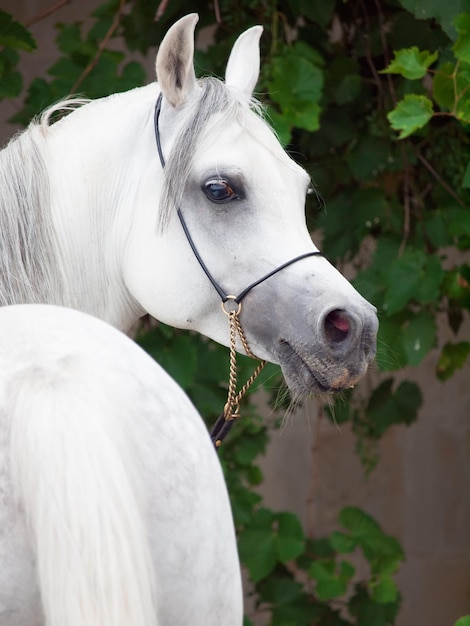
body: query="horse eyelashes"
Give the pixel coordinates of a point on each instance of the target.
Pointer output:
(220, 191)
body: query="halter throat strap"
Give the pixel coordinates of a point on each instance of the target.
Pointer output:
(222, 293)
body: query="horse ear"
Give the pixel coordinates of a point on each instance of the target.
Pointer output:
(175, 60)
(243, 65)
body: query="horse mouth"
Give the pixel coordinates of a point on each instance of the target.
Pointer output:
(317, 372)
(300, 377)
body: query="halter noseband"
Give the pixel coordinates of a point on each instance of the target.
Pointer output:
(225, 421)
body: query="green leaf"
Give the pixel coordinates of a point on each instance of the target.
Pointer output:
(14, 35)
(329, 589)
(243, 501)
(442, 12)
(342, 543)
(450, 89)
(346, 571)
(40, 95)
(363, 209)
(461, 47)
(431, 278)
(461, 284)
(322, 569)
(133, 75)
(390, 350)
(381, 550)
(290, 538)
(317, 11)
(358, 522)
(329, 584)
(436, 229)
(301, 611)
(320, 547)
(257, 546)
(383, 590)
(246, 453)
(370, 157)
(462, 106)
(370, 613)
(466, 177)
(419, 336)
(11, 81)
(415, 276)
(296, 84)
(343, 81)
(411, 63)
(443, 86)
(348, 88)
(387, 407)
(339, 410)
(281, 124)
(410, 114)
(387, 565)
(453, 357)
(408, 398)
(69, 39)
(280, 590)
(463, 621)
(459, 222)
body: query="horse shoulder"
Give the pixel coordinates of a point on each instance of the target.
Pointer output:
(109, 457)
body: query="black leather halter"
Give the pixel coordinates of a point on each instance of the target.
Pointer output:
(222, 293)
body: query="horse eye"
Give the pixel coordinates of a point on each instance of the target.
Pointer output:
(220, 191)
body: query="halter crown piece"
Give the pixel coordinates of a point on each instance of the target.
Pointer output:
(231, 306)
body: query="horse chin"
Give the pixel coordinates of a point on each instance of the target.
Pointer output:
(314, 374)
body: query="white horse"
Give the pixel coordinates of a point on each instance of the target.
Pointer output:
(113, 507)
(93, 219)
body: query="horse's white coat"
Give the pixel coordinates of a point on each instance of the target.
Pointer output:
(113, 510)
(119, 503)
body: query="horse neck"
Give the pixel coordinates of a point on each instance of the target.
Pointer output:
(97, 157)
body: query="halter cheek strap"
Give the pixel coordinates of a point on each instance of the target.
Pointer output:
(224, 296)
(230, 412)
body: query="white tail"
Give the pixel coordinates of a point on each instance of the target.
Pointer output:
(76, 474)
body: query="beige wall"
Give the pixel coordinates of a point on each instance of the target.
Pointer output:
(420, 490)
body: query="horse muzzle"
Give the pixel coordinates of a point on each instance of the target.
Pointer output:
(342, 345)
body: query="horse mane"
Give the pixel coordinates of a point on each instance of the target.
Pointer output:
(215, 97)
(28, 265)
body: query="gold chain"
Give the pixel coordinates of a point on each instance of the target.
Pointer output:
(232, 406)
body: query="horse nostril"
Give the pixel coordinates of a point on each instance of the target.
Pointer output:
(337, 327)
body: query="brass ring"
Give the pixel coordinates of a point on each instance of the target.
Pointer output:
(228, 312)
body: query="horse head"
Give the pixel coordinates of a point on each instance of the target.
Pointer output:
(243, 200)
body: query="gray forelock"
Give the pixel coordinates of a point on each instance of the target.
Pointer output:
(215, 97)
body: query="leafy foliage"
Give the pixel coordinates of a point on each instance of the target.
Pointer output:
(376, 99)
(13, 37)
